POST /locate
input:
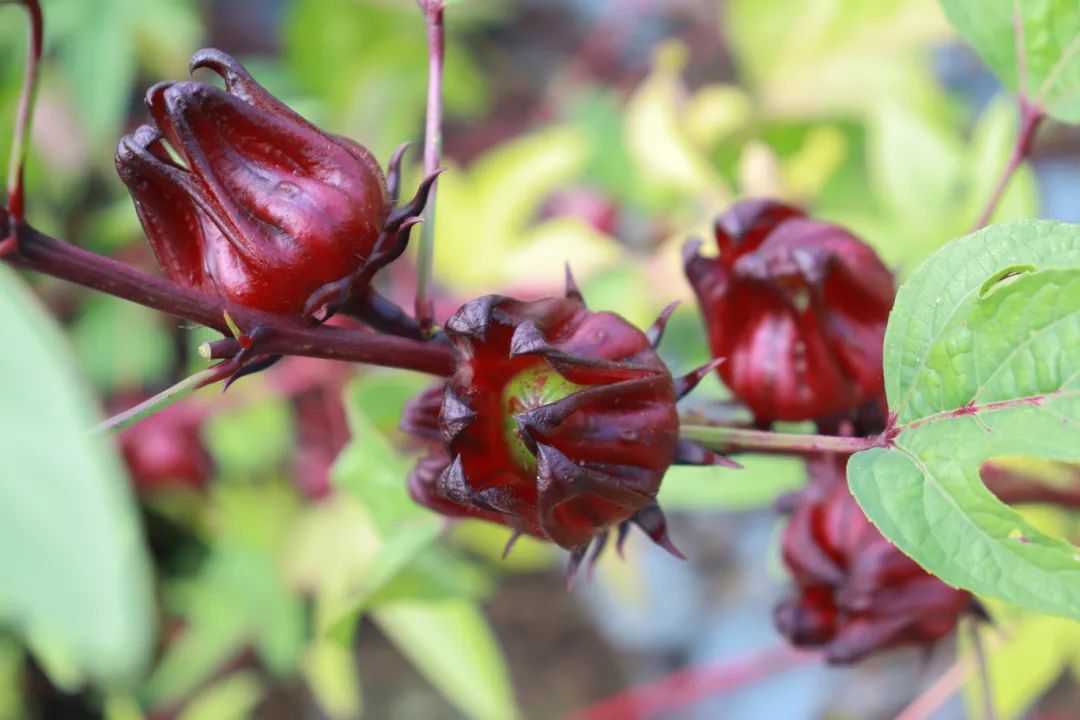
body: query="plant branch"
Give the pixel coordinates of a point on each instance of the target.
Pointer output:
(1031, 117)
(937, 694)
(164, 398)
(24, 114)
(690, 685)
(729, 439)
(283, 335)
(982, 663)
(433, 15)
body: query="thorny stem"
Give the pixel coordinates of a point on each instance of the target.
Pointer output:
(690, 685)
(729, 439)
(284, 335)
(937, 694)
(1031, 117)
(981, 661)
(433, 14)
(15, 196)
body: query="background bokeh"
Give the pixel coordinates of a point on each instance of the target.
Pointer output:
(292, 575)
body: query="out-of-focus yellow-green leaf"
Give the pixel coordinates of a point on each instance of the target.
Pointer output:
(810, 57)
(110, 360)
(75, 581)
(331, 673)
(368, 63)
(122, 707)
(930, 185)
(451, 643)
(234, 697)
(660, 139)
(915, 167)
(239, 598)
(485, 222)
(1027, 653)
(253, 440)
(762, 479)
(488, 541)
(11, 670)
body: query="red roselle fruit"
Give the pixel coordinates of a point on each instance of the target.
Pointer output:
(166, 449)
(559, 422)
(798, 309)
(259, 205)
(855, 592)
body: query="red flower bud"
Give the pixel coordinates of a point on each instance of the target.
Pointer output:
(855, 592)
(262, 208)
(558, 422)
(166, 450)
(797, 308)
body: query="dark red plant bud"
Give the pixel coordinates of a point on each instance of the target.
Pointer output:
(262, 207)
(797, 308)
(558, 422)
(166, 450)
(855, 592)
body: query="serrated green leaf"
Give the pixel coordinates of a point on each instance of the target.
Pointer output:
(74, 576)
(451, 643)
(1033, 46)
(946, 285)
(980, 375)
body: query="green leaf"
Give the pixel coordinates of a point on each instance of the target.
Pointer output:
(943, 289)
(973, 373)
(1032, 46)
(102, 334)
(452, 644)
(74, 575)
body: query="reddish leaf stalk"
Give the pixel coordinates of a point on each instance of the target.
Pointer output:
(284, 335)
(689, 685)
(436, 35)
(730, 439)
(936, 695)
(1031, 117)
(15, 193)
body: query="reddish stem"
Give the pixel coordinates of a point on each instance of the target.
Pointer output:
(436, 34)
(937, 694)
(15, 194)
(733, 439)
(284, 335)
(693, 684)
(1031, 117)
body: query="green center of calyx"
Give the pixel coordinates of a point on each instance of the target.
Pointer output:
(533, 387)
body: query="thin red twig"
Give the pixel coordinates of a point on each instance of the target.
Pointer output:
(436, 34)
(937, 694)
(694, 684)
(24, 114)
(1031, 117)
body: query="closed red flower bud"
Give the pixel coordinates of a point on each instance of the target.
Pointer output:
(855, 592)
(262, 208)
(559, 422)
(166, 450)
(796, 307)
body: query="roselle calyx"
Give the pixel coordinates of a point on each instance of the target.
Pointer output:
(254, 203)
(855, 592)
(558, 422)
(796, 307)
